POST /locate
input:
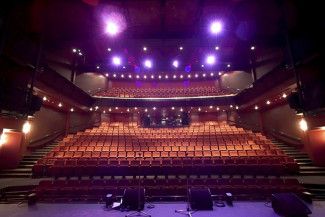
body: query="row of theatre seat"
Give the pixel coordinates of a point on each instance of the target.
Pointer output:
(128, 144)
(79, 167)
(162, 92)
(160, 187)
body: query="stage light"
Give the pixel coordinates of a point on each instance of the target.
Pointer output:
(154, 108)
(80, 54)
(128, 110)
(116, 108)
(74, 50)
(144, 49)
(135, 108)
(152, 76)
(202, 66)
(104, 112)
(174, 76)
(71, 110)
(111, 28)
(256, 107)
(26, 127)
(44, 98)
(90, 109)
(181, 110)
(216, 48)
(231, 106)
(175, 63)
(116, 61)
(146, 110)
(196, 75)
(284, 95)
(181, 76)
(228, 65)
(109, 49)
(199, 109)
(268, 102)
(159, 76)
(114, 75)
(60, 105)
(97, 67)
(122, 76)
(147, 64)
(137, 76)
(252, 47)
(181, 48)
(237, 107)
(204, 75)
(211, 60)
(220, 73)
(166, 76)
(106, 74)
(211, 74)
(145, 77)
(109, 109)
(189, 76)
(216, 27)
(124, 67)
(130, 76)
(218, 108)
(303, 125)
(96, 107)
(173, 108)
(210, 106)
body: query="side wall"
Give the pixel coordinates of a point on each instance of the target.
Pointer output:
(281, 119)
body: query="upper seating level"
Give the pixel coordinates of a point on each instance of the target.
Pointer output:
(163, 92)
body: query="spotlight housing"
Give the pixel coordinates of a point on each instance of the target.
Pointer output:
(148, 64)
(210, 60)
(216, 27)
(111, 28)
(175, 63)
(116, 61)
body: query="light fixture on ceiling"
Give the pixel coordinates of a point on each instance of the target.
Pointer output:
(216, 27)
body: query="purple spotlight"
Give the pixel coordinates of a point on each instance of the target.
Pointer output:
(175, 63)
(211, 60)
(111, 28)
(114, 21)
(116, 61)
(147, 63)
(216, 27)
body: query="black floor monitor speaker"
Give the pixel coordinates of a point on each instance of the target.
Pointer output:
(200, 199)
(289, 205)
(130, 200)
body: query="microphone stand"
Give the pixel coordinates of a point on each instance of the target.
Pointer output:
(139, 212)
(188, 211)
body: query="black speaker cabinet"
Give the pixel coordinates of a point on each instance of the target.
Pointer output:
(131, 198)
(200, 199)
(289, 205)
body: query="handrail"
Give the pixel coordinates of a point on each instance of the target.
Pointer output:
(247, 126)
(46, 136)
(281, 133)
(275, 133)
(51, 136)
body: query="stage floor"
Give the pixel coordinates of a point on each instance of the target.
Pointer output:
(240, 209)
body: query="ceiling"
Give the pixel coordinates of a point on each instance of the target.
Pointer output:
(160, 25)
